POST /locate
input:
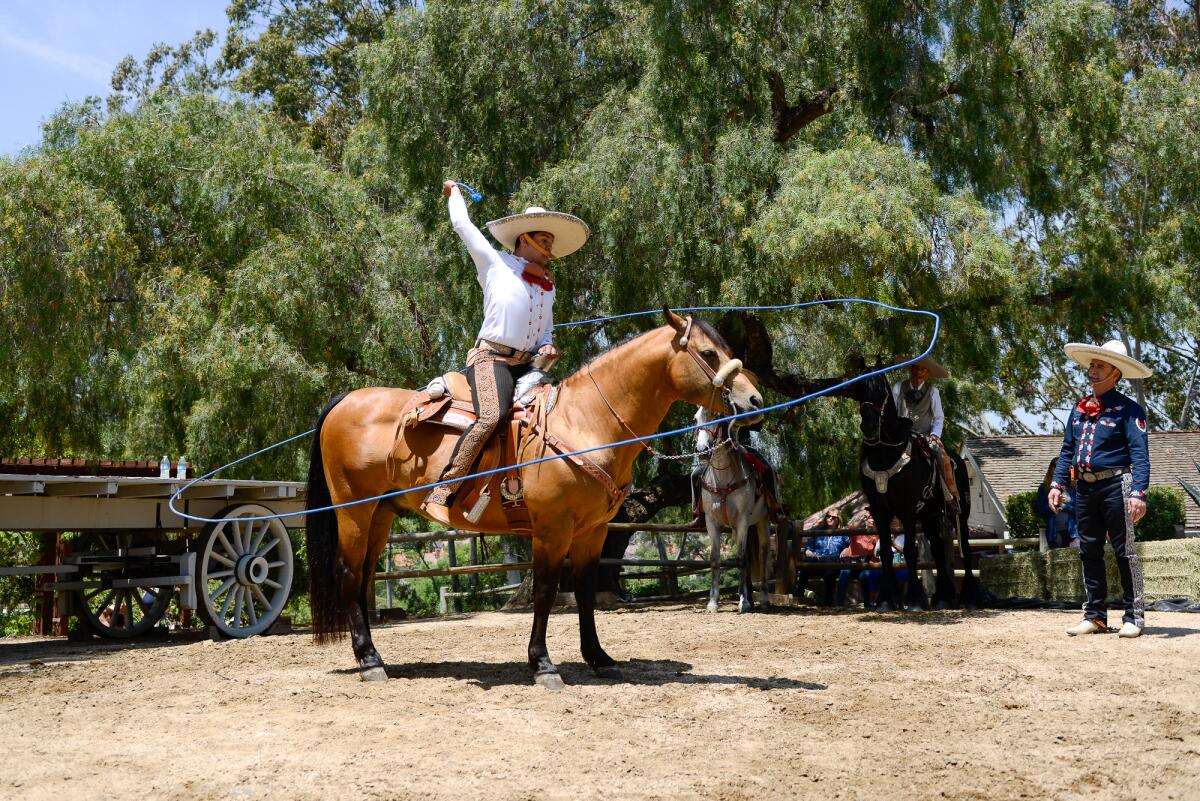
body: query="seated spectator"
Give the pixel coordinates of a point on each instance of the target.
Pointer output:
(827, 548)
(861, 547)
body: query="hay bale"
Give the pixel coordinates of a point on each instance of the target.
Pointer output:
(1014, 575)
(1171, 569)
(1064, 575)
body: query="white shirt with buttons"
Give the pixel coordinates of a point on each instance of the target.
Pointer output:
(516, 313)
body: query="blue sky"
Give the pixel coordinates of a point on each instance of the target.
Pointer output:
(55, 51)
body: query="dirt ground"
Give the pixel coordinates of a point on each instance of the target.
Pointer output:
(787, 704)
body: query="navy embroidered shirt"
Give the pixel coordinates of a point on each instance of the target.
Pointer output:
(1115, 437)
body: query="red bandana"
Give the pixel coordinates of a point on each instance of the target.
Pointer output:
(1089, 406)
(537, 280)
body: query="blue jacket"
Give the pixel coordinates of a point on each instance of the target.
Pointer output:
(829, 546)
(1116, 437)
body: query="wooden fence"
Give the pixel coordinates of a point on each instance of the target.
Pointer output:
(667, 571)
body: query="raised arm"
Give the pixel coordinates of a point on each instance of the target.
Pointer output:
(482, 252)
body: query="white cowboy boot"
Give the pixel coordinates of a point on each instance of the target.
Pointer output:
(1129, 629)
(1087, 627)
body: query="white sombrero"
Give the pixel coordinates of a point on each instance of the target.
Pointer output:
(929, 363)
(1113, 352)
(569, 231)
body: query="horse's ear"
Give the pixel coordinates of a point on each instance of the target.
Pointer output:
(674, 320)
(878, 361)
(858, 364)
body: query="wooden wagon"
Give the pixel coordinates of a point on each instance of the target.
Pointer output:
(128, 555)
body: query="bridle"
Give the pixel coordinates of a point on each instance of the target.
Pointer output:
(734, 454)
(879, 408)
(720, 380)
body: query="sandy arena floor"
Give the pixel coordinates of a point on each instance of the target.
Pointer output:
(795, 704)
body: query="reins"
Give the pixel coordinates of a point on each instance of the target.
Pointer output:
(719, 388)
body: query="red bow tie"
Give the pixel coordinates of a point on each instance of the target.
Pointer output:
(1089, 406)
(537, 280)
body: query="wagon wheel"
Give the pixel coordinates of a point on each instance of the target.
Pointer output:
(243, 571)
(117, 612)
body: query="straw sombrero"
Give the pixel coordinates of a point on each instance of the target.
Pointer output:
(569, 231)
(930, 363)
(1113, 352)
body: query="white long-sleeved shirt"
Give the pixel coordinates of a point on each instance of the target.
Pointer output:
(935, 407)
(516, 313)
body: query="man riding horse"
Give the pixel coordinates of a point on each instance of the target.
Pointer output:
(518, 320)
(921, 402)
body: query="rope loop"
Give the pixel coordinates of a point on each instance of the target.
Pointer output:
(937, 323)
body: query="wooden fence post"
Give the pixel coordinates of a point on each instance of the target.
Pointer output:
(783, 581)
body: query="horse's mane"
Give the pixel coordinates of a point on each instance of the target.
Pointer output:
(628, 341)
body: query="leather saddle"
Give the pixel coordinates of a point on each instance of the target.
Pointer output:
(453, 409)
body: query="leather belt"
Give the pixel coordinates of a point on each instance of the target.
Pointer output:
(505, 350)
(1100, 475)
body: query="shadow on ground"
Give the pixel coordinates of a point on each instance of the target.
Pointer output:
(651, 673)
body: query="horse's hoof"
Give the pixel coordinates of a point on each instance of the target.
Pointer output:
(942, 606)
(883, 606)
(551, 681)
(711, 609)
(373, 674)
(744, 607)
(608, 672)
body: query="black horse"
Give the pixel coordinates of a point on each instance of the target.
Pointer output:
(901, 481)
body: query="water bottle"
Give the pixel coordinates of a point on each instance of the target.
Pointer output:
(164, 467)
(181, 468)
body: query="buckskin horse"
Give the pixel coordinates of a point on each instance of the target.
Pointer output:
(364, 448)
(901, 481)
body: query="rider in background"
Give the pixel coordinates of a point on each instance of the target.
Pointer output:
(920, 401)
(518, 320)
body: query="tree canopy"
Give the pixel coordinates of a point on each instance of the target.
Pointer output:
(253, 222)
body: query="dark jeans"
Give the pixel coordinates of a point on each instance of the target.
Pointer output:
(829, 577)
(1100, 510)
(843, 584)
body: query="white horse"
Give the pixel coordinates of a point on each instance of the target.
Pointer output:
(731, 494)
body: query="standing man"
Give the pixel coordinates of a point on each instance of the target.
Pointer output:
(1105, 443)
(919, 400)
(518, 320)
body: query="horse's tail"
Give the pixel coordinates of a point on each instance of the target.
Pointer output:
(321, 537)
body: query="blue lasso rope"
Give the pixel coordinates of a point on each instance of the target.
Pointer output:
(937, 324)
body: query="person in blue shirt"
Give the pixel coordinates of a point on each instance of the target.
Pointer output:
(1106, 445)
(1041, 506)
(828, 548)
(1060, 526)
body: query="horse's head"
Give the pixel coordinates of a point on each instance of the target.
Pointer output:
(879, 421)
(702, 370)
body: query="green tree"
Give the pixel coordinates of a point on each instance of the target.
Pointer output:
(190, 279)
